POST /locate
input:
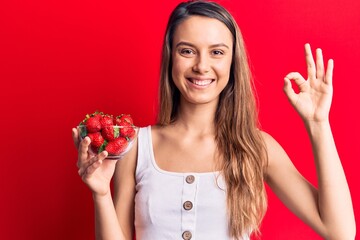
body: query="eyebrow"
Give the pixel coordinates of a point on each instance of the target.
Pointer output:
(192, 45)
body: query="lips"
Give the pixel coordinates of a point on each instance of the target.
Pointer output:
(201, 82)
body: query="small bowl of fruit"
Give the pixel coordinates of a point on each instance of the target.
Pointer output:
(108, 133)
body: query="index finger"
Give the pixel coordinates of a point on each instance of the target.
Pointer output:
(75, 136)
(83, 150)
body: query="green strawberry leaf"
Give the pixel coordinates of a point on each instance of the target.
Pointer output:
(102, 147)
(83, 132)
(116, 132)
(97, 112)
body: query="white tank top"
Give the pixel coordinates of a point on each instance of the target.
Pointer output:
(175, 206)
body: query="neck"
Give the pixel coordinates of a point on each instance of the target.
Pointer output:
(197, 118)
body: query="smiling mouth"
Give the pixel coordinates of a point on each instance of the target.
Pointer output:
(201, 82)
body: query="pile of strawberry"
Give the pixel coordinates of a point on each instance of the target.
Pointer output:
(107, 132)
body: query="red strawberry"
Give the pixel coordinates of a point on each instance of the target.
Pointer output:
(93, 124)
(123, 118)
(106, 120)
(127, 130)
(110, 133)
(117, 146)
(96, 141)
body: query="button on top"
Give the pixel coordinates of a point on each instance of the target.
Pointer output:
(190, 179)
(186, 235)
(188, 205)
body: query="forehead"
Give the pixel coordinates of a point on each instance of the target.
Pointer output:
(202, 30)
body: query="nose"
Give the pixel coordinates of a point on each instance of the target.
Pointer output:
(202, 64)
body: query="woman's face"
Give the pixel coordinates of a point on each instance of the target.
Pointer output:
(202, 55)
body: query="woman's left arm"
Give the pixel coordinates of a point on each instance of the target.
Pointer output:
(327, 209)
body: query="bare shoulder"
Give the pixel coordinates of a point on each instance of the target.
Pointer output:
(269, 140)
(277, 157)
(272, 146)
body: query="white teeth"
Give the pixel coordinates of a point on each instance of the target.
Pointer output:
(201, 82)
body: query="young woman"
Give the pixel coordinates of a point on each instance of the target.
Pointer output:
(200, 172)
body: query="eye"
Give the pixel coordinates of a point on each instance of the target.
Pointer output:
(217, 52)
(186, 51)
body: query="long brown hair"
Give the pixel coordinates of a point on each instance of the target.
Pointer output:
(239, 142)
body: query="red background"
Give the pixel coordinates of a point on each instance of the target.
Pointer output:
(62, 59)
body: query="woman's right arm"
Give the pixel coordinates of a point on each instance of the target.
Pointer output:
(124, 191)
(112, 221)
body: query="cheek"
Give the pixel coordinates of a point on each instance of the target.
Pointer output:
(175, 75)
(223, 68)
(176, 72)
(179, 67)
(175, 65)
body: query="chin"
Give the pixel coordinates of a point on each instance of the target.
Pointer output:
(201, 100)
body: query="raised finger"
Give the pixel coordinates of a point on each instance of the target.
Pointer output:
(83, 149)
(319, 64)
(75, 136)
(329, 72)
(311, 69)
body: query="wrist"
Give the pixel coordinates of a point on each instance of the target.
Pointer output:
(315, 127)
(97, 197)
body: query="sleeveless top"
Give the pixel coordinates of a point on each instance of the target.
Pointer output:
(175, 206)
